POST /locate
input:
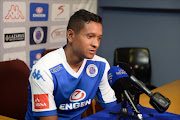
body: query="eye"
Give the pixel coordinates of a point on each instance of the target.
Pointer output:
(99, 38)
(89, 36)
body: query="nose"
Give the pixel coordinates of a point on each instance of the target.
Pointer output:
(95, 42)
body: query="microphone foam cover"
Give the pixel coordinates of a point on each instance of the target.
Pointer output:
(118, 79)
(115, 73)
(127, 68)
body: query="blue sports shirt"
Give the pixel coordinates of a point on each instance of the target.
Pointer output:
(56, 89)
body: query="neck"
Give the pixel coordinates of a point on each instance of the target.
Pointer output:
(73, 60)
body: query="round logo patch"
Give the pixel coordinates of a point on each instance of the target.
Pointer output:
(77, 95)
(92, 70)
(39, 10)
(38, 35)
(38, 56)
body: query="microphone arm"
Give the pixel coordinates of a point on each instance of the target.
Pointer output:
(140, 85)
(157, 100)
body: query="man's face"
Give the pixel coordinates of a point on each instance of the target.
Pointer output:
(87, 41)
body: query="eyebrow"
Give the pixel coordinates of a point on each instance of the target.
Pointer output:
(94, 34)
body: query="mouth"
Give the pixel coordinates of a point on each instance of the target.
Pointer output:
(92, 51)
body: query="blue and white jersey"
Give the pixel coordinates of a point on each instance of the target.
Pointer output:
(56, 89)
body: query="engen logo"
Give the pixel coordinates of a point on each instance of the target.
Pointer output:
(35, 55)
(77, 95)
(14, 11)
(38, 56)
(39, 10)
(41, 101)
(76, 101)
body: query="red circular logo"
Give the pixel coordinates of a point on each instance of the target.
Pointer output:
(38, 56)
(77, 95)
(39, 10)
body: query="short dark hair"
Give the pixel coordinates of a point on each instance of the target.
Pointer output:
(79, 18)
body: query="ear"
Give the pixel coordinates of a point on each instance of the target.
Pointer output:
(70, 35)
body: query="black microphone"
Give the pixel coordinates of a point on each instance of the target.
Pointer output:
(117, 75)
(157, 100)
(120, 83)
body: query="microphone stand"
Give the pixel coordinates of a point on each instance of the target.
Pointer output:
(136, 101)
(127, 97)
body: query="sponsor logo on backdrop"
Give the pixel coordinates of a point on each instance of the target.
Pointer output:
(60, 9)
(41, 101)
(58, 34)
(14, 56)
(39, 11)
(60, 12)
(35, 55)
(14, 11)
(14, 37)
(38, 35)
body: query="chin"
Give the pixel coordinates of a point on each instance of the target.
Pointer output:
(90, 57)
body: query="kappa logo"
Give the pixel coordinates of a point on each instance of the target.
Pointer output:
(37, 75)
(92, 70)
(41, 101)
(14, 13)
(77, 95)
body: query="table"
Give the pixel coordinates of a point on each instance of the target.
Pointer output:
(104, 114)
(171, 91)
(5, 118)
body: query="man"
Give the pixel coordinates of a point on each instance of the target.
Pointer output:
(64, 82)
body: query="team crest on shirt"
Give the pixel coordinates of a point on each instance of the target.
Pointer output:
(92, 70)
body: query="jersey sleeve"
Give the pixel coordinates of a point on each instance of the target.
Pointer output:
(42, 87)
(106, 95)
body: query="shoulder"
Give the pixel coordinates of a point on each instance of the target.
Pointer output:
(51, 59)
(99, 58)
